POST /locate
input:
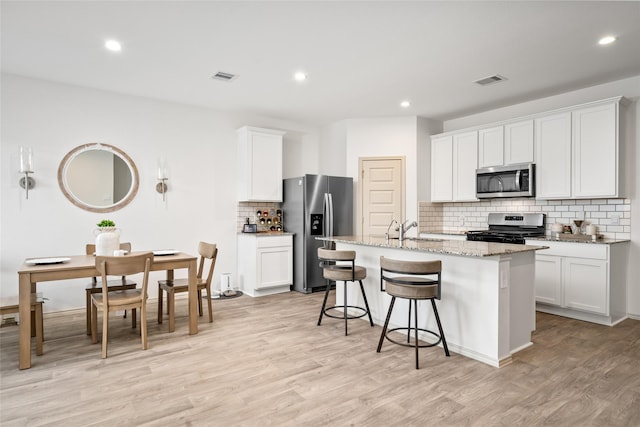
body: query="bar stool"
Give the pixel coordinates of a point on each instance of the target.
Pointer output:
(414, 286)
(340, 266)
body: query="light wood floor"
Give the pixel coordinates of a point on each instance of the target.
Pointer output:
(264, 362)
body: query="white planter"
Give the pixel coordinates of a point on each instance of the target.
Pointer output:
(107, 241)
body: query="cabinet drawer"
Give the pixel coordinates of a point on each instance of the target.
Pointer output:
(273, 241)
(575, 250)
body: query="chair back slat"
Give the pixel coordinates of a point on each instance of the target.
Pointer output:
(123, 266)
(90, 249)
(207, 252)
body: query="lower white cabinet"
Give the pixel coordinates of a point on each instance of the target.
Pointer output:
(584, 281)
(265, 263)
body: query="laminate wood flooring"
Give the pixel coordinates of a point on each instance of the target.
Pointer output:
(264, 362)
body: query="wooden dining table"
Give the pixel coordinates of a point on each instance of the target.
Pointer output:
(82, 266)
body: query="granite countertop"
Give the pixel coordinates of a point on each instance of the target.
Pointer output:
(267, 233)
(570, 238)
(443, 246)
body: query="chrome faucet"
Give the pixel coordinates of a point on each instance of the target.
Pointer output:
(403, 228)
(386, 235)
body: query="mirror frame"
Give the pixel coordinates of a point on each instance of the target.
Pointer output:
(66, 161)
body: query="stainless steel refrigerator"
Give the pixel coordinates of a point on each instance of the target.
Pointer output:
(315, 206)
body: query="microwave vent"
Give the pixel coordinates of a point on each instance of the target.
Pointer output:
(225, 77)
(490, 80)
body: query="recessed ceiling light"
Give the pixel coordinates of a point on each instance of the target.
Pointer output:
(113, 45)
(300, 76)
(405, 104)
(607, 40)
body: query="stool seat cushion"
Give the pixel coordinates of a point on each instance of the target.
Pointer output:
(419, 289)
(344, 273)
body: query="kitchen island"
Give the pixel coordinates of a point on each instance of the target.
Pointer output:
(487, 307)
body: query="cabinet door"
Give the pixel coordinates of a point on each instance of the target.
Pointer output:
(548, 279)
(465, 163)
(266, 173)
(553, 154)
(274, 267)
(259, 164)
(518, 143)
(586, 285)
(442, 169)
(595, 142)
(491, 147)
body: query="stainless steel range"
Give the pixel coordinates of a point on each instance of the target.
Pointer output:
(510, 228)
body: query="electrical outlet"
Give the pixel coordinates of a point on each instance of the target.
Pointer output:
(615, 219)
(461, 220)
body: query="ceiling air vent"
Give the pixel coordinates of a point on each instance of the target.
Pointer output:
(490, 80)
(225, 77)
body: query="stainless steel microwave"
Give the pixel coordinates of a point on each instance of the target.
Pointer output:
(506, 181)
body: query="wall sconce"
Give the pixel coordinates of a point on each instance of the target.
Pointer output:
(26, 167)
(161, 187)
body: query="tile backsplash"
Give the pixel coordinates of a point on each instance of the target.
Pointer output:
(611, 216)
(249, 210)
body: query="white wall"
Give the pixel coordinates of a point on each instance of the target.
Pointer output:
(200, 147)
(629, 88)
(380, 137)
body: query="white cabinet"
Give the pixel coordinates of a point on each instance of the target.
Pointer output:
(548, 278)
(519, 143)
(454, 160)
(577, 153)
(491, 147)
(442, 169)
(584, 281)
(265, 263)
(585, 284)
(510, 144)
(259, 164)
(595, 158)
(465, 163)
(553, 154)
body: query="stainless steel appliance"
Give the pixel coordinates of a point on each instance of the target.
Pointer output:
(506, 181)
(510, 228)
(315, 205)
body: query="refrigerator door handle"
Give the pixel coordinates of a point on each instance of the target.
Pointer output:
(327, 210)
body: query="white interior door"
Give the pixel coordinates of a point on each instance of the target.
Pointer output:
(382, 193)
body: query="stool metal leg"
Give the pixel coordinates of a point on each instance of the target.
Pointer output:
(366, 304)
(444, 342)
(415, 318)
(409, 324)
(386, 324)
(345, 307)
(324, 302)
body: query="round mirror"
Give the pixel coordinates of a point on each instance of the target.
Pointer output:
(98, 177)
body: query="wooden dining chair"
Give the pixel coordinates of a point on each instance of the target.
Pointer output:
(208, 252)
(113, 285)
(109, 301)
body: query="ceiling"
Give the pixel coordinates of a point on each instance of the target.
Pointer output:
(362, 58)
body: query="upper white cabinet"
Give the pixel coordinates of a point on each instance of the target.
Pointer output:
(454, 160)
(553, 146)
(510, 144)
(577, 153)
(576, 150)
(595, 157)
(491, 147)
(442, 169)
(519, 143)
(465, 163)
(259, 164)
